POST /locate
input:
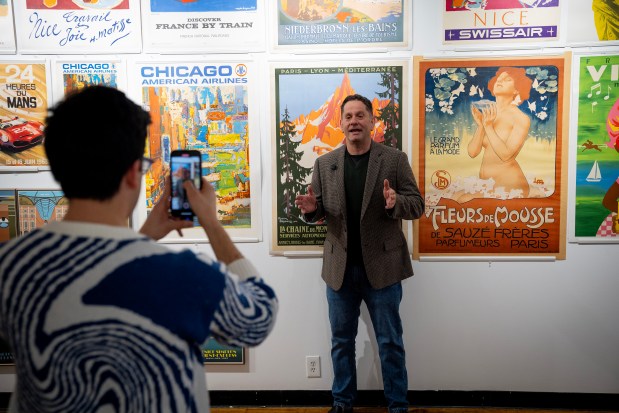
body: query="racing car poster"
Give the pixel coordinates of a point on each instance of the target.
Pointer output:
(491, 157)
(24, 95)
(305, 124)
(210, 107)
(500, 22)
(7, 40)
(596, 149)
(195, 26)
(73, 75)
(342, 24)
(78, 26)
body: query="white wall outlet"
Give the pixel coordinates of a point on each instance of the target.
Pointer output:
(312, 366)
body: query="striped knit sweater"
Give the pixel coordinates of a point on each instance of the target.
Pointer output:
(102, 319)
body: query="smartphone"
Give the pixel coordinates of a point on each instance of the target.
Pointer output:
(184, 165)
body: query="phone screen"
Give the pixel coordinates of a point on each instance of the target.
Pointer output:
(184, 165)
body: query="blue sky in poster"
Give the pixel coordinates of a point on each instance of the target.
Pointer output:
(201, 5)
(304, 93)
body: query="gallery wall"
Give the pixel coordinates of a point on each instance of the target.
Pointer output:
(473, 323)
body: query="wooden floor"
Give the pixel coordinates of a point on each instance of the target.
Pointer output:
(384, 410)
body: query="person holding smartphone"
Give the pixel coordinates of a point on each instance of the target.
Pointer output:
(100, 317)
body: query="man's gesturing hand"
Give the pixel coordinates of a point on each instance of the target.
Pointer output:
(306, 203)
(389, 195)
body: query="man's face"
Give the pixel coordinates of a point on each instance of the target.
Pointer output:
(357, 122)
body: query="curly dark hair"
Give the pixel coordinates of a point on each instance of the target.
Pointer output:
(92, 138)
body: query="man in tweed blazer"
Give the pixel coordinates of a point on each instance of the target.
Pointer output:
(364, 190)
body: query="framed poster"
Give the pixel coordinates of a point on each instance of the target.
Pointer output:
(214, 352)
(210, 107)
(596, 149)
(306, 124)
(199, 25)
(593, 22)
(78, 26)
(500, 23)
(6, 356)
(71, 75)
(24, 210)
(7, 39)
(24, 91)
(491, 156)
(345, 25)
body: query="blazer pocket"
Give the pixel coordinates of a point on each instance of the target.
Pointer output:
(392, 243)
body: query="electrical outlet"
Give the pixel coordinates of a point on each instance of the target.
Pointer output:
(312, 366)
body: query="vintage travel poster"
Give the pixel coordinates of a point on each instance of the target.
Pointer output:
(214, 352)
(491, 156)
(78, 26)
(500, 22)
(7, 39)
(593, 22)
(73, 75)
(209, 107)
(597, 149)
(343, 23)
(22, 211)
(306, 125)
(198, 25)
(23, 108)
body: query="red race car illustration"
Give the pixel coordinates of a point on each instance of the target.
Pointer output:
(17, 134)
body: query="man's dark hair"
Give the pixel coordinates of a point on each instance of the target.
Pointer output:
(92, 138)
(363, 99)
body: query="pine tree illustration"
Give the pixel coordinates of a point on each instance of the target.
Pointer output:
(292, 174)
(390, 114)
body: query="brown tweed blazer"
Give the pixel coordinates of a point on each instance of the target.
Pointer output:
(383, 246)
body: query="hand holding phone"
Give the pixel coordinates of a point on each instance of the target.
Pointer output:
(184, 165)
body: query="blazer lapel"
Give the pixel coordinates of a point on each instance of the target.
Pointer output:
(372, 175)
(338, 179)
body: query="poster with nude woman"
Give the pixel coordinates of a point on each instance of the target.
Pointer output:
(490, 156)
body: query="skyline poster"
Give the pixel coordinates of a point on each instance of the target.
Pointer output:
(306, 125)
(209, 107)
(491, 156)
(73, 75)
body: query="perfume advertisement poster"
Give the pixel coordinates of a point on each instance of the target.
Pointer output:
(78, 26)
(344, 23)
(193, 26)
(307, 125)
(491, 161)
(500, 22)
(594, 22)
(208, 107)
(7, 40)
(597, 149)
(23, 108)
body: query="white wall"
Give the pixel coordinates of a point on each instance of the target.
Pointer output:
(505, 326)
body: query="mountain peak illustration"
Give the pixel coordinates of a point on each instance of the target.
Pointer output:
(323, 124)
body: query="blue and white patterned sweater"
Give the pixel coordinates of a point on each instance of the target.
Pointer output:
(102, 319)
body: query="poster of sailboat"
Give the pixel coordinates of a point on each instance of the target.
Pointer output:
(595, 148)
(594, 173)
